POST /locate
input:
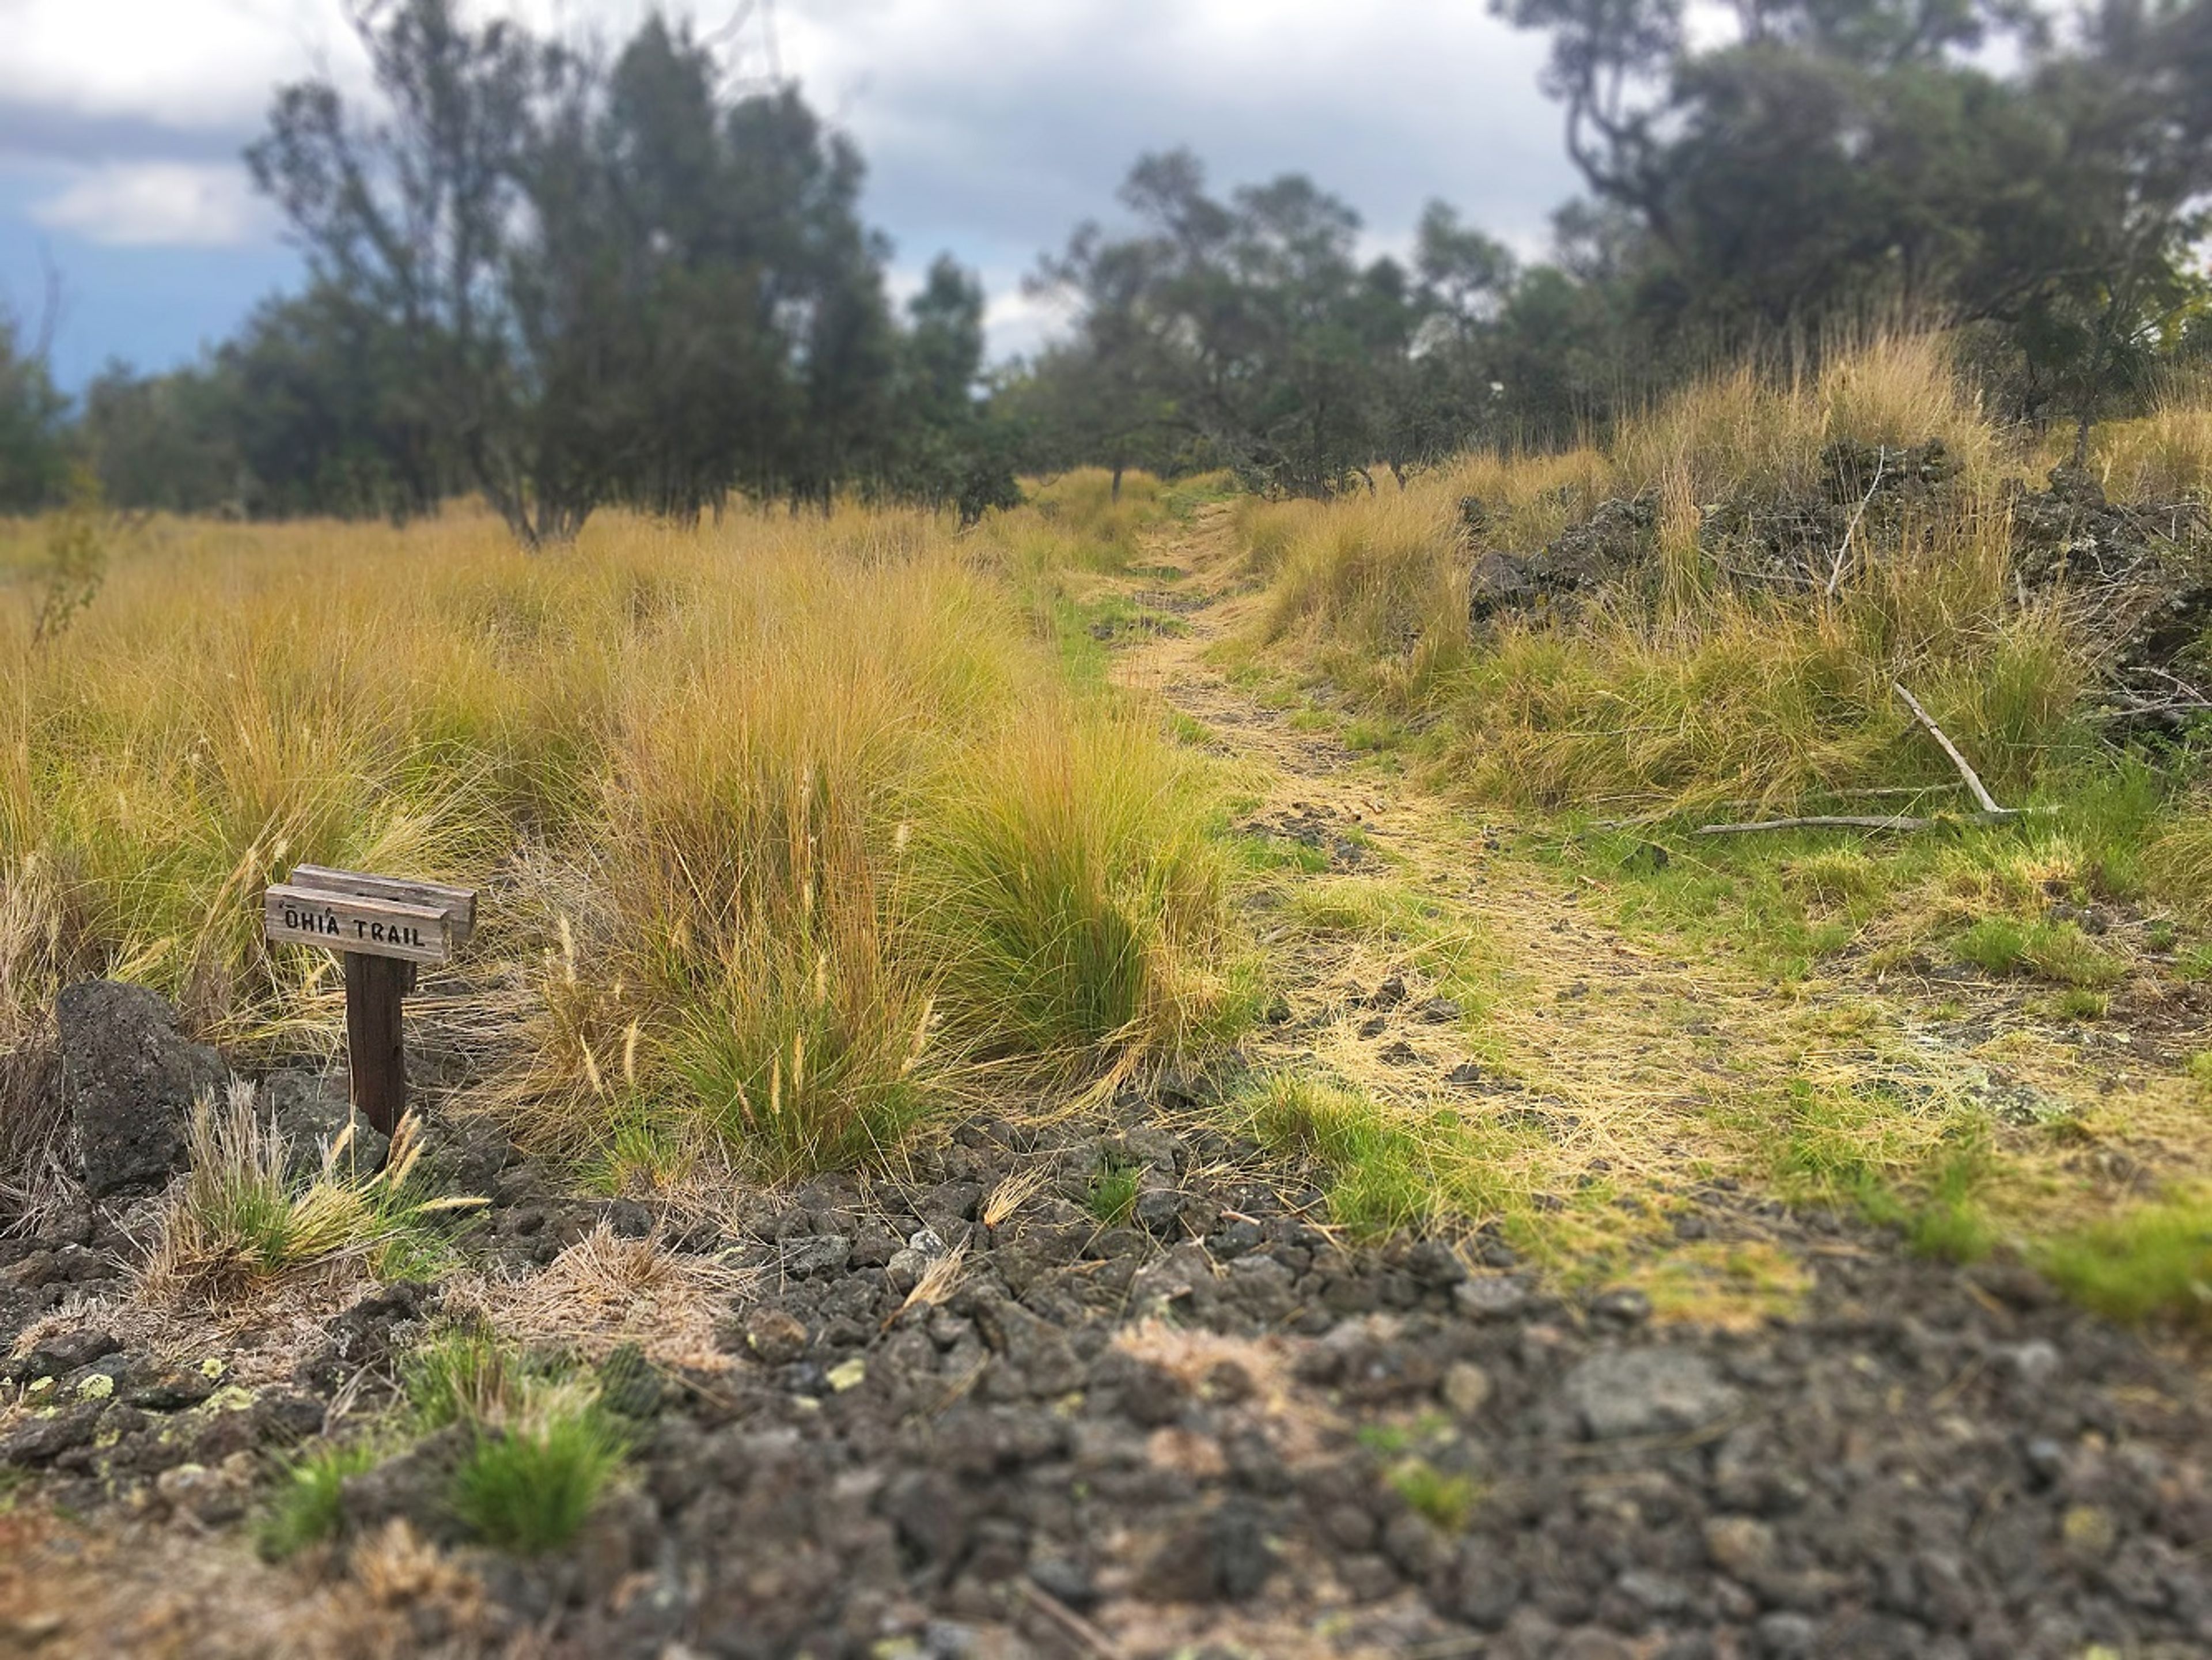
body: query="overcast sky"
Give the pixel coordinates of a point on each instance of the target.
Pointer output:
(990, 127)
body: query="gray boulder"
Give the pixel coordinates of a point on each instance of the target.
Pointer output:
(312, 1112)
(128, 1079)
(1648, 1391)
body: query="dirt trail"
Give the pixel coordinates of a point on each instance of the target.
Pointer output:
(1605, 1026)
(1649, 1072)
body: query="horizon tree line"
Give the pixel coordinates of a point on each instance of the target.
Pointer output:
(562, 280)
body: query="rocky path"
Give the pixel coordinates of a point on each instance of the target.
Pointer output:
(1217, 1435)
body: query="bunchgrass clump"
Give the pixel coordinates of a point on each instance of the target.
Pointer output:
(464, 1375)
(1112, 1194)
(242, 1218)
(762, 814)
(309, 1508)
(1446, 1500)
(541, 1445)
(1080, 899)
(528, 1485)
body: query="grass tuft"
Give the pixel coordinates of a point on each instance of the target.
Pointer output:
(241, 1220)
(542, 1447)
(2153, 1262)
(1448, 1501)
(310, 1504)
(528, 1486)
(1113, 1194)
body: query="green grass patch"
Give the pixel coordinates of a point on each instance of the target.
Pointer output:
(1379, 1175)
(1874, 1149)
(463, 1375)
(1384, 1168)
(1447, 1500)
(541, 1448)
(310, 1503)
(528, 1486)
(2050, 951)
(2153, 1262)
(1113, 1196)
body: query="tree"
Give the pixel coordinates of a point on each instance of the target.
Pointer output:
(1247, 323)
(1842, 159)
(584, 284)
(417, 222)
(165, 442)
(34, 438)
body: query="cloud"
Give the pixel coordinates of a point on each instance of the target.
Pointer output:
(179, 64)
(991, 127)
(158, 204)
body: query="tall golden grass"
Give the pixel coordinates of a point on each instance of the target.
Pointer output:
(791, 829)
(1691, 688)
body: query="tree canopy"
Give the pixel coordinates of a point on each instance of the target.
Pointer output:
(560, 278)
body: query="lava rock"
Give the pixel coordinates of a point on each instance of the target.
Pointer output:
(1647, 1391)
(312, 1113)
(64, 1353)
(129, 1080)
(820, 1253)
(775, 1335)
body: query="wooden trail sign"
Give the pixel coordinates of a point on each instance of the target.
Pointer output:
(385, 928)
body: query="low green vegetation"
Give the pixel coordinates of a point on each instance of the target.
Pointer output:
(541, 1446)
(1448, 1501)
(2059, 951)
(1114, 1192)
(2154, 1261)
(309, 1508)
(2004, 899)
(527, 1485)
(246, 1216)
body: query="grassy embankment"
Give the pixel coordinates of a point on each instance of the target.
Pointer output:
(793, 832)
(1681, 695)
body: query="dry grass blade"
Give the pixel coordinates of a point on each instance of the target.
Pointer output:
(937, 1283)
(605, 1291)
(1014, 1191)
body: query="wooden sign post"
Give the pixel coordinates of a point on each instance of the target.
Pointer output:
(385, 928)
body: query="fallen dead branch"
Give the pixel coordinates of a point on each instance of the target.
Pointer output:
(1863, 820)
(1990, 813)
(1972, 778)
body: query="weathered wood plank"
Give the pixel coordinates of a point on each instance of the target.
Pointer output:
(376, 1042)
(459, 904)
(352, 922)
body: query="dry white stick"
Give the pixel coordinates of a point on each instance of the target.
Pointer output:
(1973, 779)
(1836, 575)
(1856, 821)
